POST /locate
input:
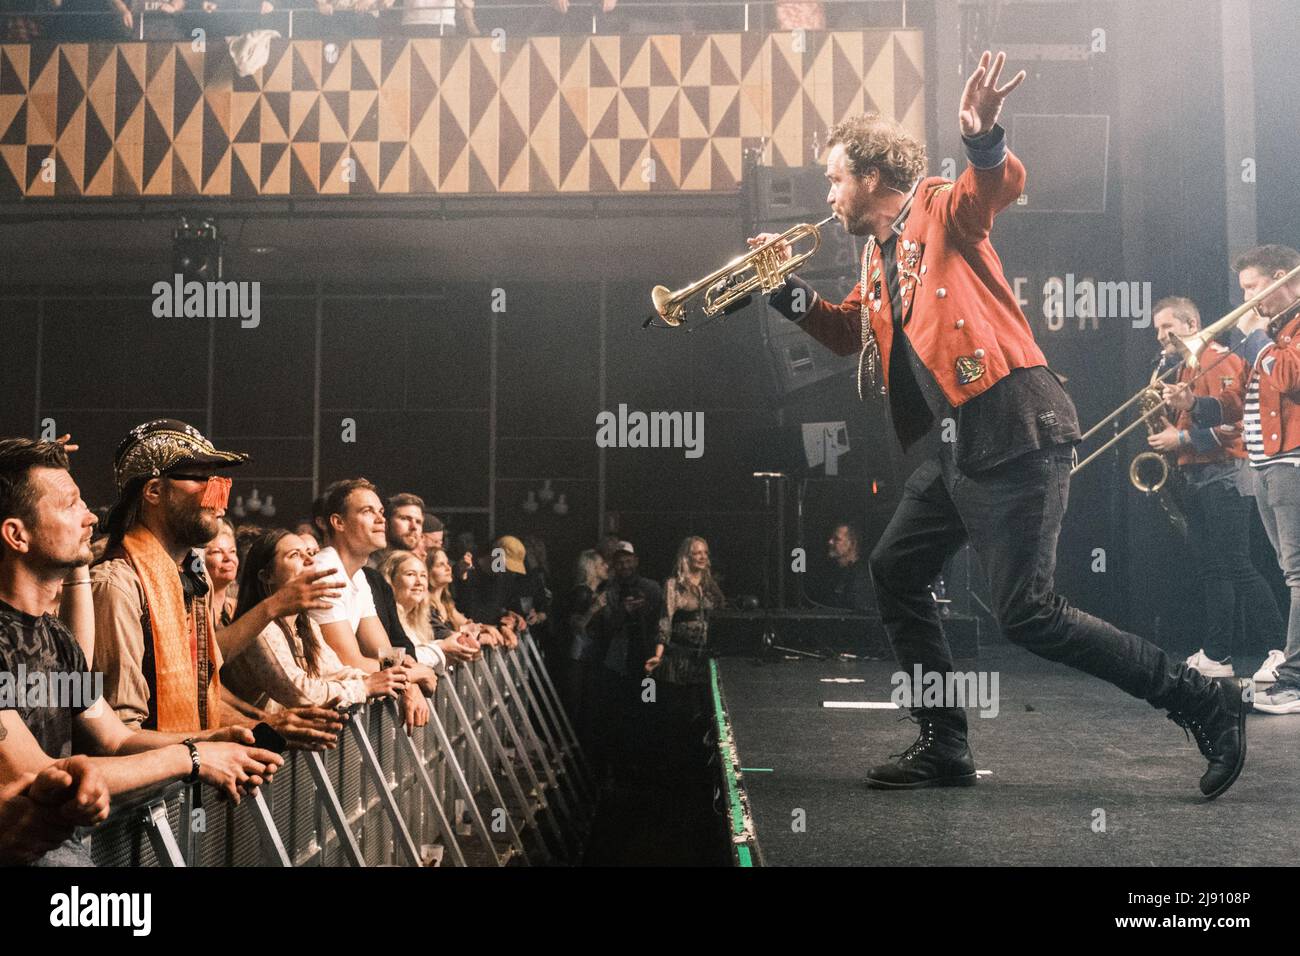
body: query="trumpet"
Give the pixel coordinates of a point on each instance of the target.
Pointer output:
(729, 288)
(1190, 347)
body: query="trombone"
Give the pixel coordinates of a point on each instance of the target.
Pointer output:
(1189, 348)
(729, 288)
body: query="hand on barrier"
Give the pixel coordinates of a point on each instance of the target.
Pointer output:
(415, 711)
(234, 769)
(389, 682)
(423, 676)
(28, 830)
(308, 728)
(509, 637)
(308, 591)
(461, 647)
(74, 790)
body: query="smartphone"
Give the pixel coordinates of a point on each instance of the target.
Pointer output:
(268, 738)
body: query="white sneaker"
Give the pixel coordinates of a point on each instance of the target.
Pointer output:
(1285, 700)
(1208, 666)
(1267, 672)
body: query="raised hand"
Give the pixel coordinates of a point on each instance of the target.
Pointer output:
(981, 100)
(312, 590)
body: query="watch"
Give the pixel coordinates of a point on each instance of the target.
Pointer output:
(195, 761)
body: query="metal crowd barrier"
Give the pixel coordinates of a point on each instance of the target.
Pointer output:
(496, 777)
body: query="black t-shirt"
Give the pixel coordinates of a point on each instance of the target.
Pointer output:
(45, 677)
(386, 610)
(850, 587)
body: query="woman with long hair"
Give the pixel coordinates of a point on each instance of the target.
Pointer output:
(290, 664)
(681, 656)
(434, 646)
(446, 616)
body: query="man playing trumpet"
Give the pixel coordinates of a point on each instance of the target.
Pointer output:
(939, 332)
(1218, 519)
(1266, 400)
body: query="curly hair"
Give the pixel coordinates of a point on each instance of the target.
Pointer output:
(872, 142)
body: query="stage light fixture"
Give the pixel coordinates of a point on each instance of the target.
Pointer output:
(196, 249)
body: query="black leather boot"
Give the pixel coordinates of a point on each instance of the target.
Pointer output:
(940, 757)
(1217, 722)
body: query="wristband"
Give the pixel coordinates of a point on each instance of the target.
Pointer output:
(1184, 438)
(195, 762)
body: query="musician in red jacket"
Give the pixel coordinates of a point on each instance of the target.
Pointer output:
(939, 333)
(1267, 402)
(1205, 490)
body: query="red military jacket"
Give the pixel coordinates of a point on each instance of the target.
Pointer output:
(1226, 370)
(1277, 367)
(958, 311)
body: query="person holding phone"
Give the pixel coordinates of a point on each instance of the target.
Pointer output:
(290, 665)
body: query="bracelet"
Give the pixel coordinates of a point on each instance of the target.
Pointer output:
(1184, 438)
(195, 762)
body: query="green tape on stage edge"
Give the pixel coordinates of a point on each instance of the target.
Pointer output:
(724, 741)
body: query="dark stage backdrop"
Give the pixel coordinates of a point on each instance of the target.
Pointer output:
(473, 409)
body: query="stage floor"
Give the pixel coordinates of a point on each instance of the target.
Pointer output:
(1063, 746)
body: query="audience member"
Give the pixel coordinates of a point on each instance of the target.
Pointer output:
(222, 562)
(45, 531)
(156, 640)
(447, 618)
(290, 665)
(433, 534)
(355, 529)
(408, 577)
(404, 530)
(580, 609)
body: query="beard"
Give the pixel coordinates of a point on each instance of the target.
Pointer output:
(190, 527)
(80, 559)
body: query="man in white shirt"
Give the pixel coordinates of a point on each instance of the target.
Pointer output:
(354, 528)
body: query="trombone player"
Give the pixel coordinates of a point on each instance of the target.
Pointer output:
(939, 333)
(1266, 400)
(1218, 517)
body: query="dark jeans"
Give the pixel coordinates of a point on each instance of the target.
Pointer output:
(1011, 515)
(1218, 538)
(1278, 499)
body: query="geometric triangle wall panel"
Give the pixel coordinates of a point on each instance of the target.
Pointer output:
(573, 114)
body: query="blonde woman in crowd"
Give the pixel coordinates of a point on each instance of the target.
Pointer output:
(222, 561)
(436, 642)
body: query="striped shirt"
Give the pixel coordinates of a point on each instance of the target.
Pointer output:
(1253, 434)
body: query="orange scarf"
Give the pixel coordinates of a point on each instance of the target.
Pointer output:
(187, 662)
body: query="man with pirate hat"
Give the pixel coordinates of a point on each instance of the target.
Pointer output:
(155, 636)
